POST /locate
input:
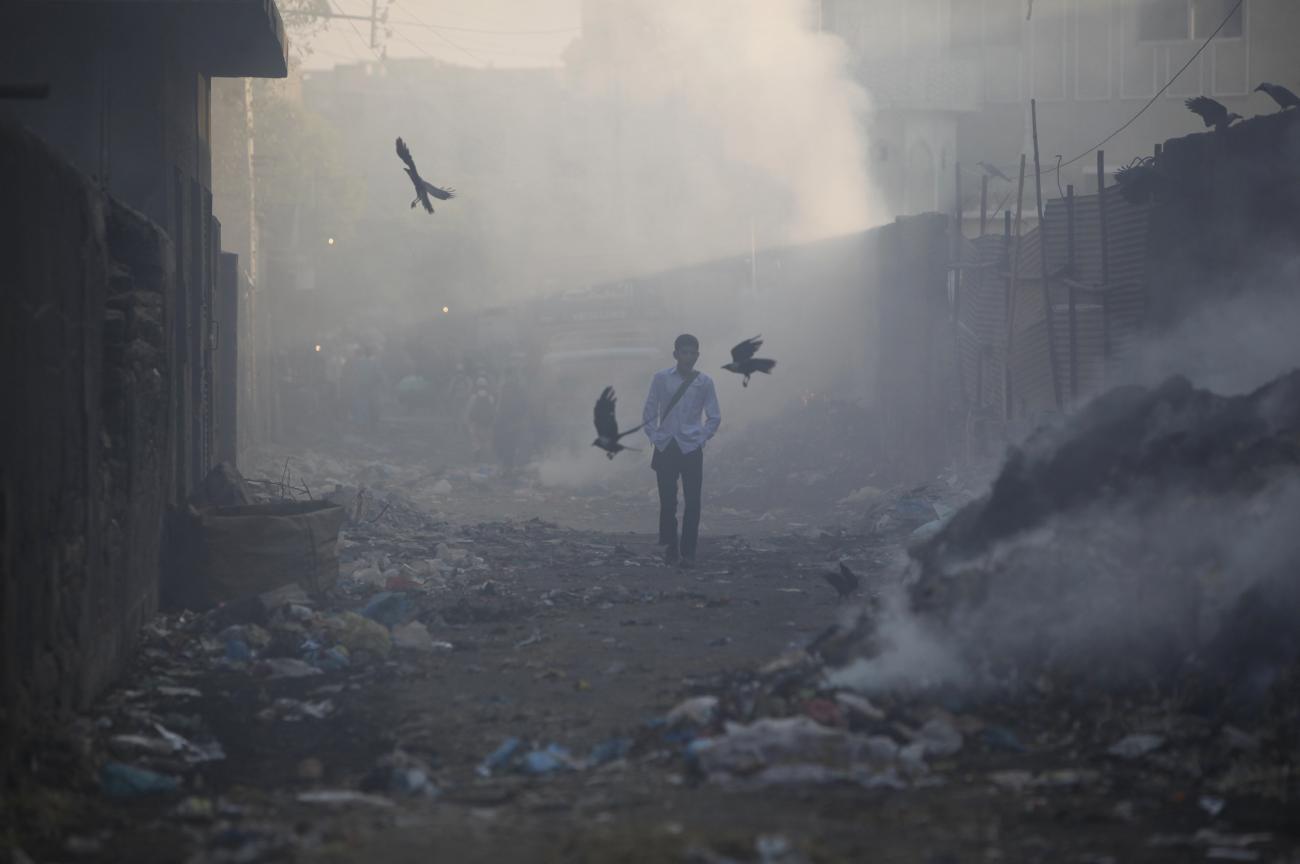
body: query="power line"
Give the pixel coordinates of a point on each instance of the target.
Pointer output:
(551, 32)
(460, 48)
(1235, 8)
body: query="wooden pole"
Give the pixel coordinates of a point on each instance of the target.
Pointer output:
(1012, 287)
(984, 202)
(1105, 266)
(1069, 269)
(957, 191)
(957, 238)
(1042, 256)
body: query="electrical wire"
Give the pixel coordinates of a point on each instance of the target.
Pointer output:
(1224, 23)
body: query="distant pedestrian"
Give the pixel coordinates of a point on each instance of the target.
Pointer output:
(368, 382)
(480, 414)
(511, 417)
(678, 397)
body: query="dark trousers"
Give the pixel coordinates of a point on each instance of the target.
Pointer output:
(669, 464)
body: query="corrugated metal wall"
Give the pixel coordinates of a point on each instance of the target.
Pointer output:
(1107, 322)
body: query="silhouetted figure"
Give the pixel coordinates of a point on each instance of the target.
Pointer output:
(743, 361)
(423, 188)
(1213, 113)
(480, 414)
(607, 434)
(1283, 97)
(512, 417)
(678, 397)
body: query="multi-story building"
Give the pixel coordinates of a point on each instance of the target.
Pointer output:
(952, 80)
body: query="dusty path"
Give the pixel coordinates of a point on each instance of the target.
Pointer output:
(580, 638)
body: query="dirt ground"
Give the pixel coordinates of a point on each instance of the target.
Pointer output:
(568, 630)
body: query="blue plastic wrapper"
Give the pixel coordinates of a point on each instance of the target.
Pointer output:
(553, 758)
(119, 780)
(500, 757)
(389, 608)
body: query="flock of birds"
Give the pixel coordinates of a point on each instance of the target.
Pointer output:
(608, 437)
(743, 362)
(1140, 179)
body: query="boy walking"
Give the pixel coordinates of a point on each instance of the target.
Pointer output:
(678, 397)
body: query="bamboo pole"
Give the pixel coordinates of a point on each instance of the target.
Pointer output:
(1042, 255)
(1012, 286)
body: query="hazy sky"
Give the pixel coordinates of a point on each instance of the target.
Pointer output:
(465, 32)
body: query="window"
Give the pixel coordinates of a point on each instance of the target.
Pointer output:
(1180, 20)
(1209, 14)
(1164, 20)
(1002, 23)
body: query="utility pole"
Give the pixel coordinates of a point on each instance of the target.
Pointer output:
(372, 18)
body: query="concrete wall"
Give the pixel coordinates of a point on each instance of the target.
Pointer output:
(83, 380)
(130, 107)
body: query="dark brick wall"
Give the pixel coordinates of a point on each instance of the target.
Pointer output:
(83, 382)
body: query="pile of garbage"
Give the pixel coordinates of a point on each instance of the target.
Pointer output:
(1153, 527)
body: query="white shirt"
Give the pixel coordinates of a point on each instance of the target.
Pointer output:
(683, 422)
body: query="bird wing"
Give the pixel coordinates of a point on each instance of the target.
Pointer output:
(606, 424)
(835, 580)
(404, 153)
(1207, 109)
(746, 349)
(436, 192)
(627, 432)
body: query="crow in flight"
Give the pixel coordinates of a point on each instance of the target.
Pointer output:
(1282, 96)
(1213, 113)
(845, 582)
(993, 171)
(607, 434)
(423, 188)
(743, 361)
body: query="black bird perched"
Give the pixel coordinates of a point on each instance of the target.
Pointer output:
(993, 171)
(423, 188)
(845, 582)
(607, 434)
(1282, 96)
(1213, 113)
(743, 361)
(1141, 180)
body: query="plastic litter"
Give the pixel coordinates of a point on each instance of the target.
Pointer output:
(744, 750)
(609, 751)
(1001, 738)
(358, 633)
(413, 636)
(500, 757)
(287, 667)
(699, 710)
(119, 780)
(1136, 746)
(343, 797)
(939, 738)
(547, 761)
(389, 608)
